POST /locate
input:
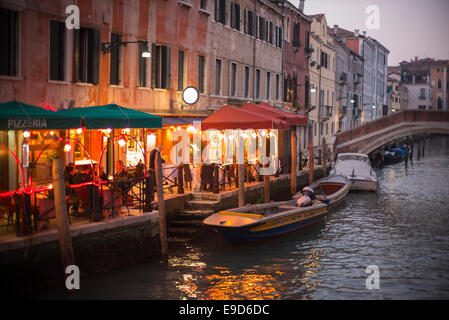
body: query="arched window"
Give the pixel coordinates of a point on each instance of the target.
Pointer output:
(439, 103)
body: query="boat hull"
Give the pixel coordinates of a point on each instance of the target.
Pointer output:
(363, 185)
(270, 229)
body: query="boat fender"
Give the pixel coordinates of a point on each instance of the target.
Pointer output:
(304, 201)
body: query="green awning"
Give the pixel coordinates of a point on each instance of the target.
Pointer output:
(113, 116)
(15, 115)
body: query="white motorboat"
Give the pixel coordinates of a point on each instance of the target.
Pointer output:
(357, 168)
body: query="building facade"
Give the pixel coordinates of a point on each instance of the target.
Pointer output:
(427, 71)
(348, 78)
(322, 81)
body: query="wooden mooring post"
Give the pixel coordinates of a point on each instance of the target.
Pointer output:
(310, 163)
(62, 219)
(241, 180)
(324, 157)
(161, 209)
(294, 164)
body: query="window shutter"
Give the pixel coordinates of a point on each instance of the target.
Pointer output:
(76, 56)
(153, 65)
(167, 67)
(237, 16)
(93, 62)
(217, 5)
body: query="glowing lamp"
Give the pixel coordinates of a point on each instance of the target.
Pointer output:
(50, 186)
(121, 142)
(26, 134)
(79, 130)
(67, 147)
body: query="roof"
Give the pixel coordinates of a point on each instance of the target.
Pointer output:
(15, 115)
(236, 118)
(113, 116)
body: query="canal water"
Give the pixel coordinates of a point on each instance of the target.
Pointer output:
(403, 229)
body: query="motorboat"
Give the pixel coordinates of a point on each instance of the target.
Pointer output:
(357, 168)
(262, 221)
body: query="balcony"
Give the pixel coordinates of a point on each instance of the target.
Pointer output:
(422, 97)
(343, 78)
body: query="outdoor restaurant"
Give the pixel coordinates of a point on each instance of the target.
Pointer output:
(105, 151)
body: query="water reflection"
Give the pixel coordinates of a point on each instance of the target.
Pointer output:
(403, 229)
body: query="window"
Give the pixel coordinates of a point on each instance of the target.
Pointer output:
(142, 69)
(235, 16)
(268, 85)
(279, 37)
(217, 76)
(181, 55)
(160, 67)
(257, 83)
(203, 4)
(87, 55)
(249, 22)
(9, 37)
(270, 33)
(277, 87)
(296, 35)
(246, 82)
(57, 50)
(422, 107)
(115, 61)
(422, 93)
(201, 63)
(221, 11)
(439, 103)
(287, 29)
(233, 78)
(261, 28)
(439, 84)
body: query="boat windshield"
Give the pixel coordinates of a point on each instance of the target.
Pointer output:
(345, 157)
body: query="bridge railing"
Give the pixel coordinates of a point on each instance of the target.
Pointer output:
(390, 120)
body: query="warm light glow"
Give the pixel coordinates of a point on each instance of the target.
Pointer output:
(52, 133)
(26, 134)
(108, 130)
(79, 130)
(313, 90)
(191, 129)
(50, 186)
(121, 142)
(263, 133)
(127, 130)
(67, 147)
(110, 177)
(146, 54)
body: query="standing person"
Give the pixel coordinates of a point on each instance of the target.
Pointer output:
(153, 154)
(158, 149)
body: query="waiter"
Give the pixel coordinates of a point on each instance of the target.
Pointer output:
(153, 153)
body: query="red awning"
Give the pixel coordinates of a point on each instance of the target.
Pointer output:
(292, 118)
(235, 118)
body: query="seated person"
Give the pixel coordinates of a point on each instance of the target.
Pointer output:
(121, 175)
(103, 175)
(308, 197)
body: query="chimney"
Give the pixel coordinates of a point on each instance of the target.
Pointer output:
(416, 58)
(356, 33)
(301, 5)
(335, 29)
(364, 33)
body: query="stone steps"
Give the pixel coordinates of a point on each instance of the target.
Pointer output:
(203, 204)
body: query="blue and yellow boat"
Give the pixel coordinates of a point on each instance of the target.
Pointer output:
(262, 221)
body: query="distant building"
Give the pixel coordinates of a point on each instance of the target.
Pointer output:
(425, 73)
(348, 78)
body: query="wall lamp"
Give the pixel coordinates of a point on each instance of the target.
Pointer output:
(106, 47)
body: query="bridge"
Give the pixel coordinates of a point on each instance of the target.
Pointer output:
(377, 133)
